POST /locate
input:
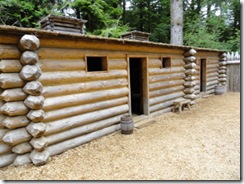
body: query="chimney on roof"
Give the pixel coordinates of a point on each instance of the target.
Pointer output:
(136, 35)
(63, 24)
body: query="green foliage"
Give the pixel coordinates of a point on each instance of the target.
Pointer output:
(207, 23)
(24, 13)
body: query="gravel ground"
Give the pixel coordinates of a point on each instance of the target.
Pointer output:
(201, 144)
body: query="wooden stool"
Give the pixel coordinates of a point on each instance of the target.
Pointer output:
(180, 104)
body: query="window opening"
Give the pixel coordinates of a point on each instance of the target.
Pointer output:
(96, 64)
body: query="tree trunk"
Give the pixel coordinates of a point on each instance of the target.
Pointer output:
(176, 11)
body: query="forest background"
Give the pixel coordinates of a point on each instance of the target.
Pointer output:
(207, 23)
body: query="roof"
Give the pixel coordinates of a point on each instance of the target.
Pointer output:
(47, 33)
(136, 32)
(62, 18)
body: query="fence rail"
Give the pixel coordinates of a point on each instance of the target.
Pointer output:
(233, 71)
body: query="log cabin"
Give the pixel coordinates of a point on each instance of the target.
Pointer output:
(60, 90)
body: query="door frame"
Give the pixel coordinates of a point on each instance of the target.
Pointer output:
(203, 75)
(145, 84)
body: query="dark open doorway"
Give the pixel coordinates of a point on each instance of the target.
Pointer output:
(203, 73)
(136, 86)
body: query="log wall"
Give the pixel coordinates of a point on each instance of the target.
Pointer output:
(165, 84)
(49, 102)
(80, 104)
(212, 72)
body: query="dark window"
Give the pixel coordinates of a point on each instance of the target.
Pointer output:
(166, 62)
(96, 64)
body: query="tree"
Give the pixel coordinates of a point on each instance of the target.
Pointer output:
(25, 13)
(176, 12)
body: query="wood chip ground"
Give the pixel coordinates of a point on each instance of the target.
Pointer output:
(200, 144)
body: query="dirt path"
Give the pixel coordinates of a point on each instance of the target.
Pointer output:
(201, 144)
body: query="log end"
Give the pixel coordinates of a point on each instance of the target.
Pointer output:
(39, 158)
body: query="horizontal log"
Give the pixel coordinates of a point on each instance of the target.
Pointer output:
(84, 108)
(79, 120)
(36, 129)
(189, 84)
(22, 160)
(39, 144)
(29, 58)
(190, 52)
(30, 72)
(157, 71)
(48, 65)
(10, 66)
(7, 159)
(212, 66)
(55, 138)
(222, 79)
(16, 136)
(77, 99)
(29, 42)
(2, 133)
(60, 53)
(164, 98)
(190, 72)
(2, 117)
(56, 23)
(161, 106)
(190, 78)
(222, 63)
(222, 76)
(14, 108)
(50, 91)
(165, 91)
(166, 84)
(211, 89)
(209, 79)
(65, 145)
(39, 158)
(190, 96)
(11, 80)
(177, 62)
(116, 64)
(33, 88)
(190, 66)
(223, 59)
(157, 63)
(58, 78)
(222, 71)
(161, 111)
(190, 59)
(154, 63)
(62, 29)
(22, 148)
(212, 70)
(166, 77)
(34, 102)
(9, 52)
(212, 83)
(222, 67)
(189, 90)
(209, 75)
(15, 122)
(4, 148)
(36, 115)
(16, 94)
(223, 55)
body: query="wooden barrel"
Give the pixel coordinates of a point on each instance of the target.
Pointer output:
(127, 124)
(219, 90)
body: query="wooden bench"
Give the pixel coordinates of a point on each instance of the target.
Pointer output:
(180, 104)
